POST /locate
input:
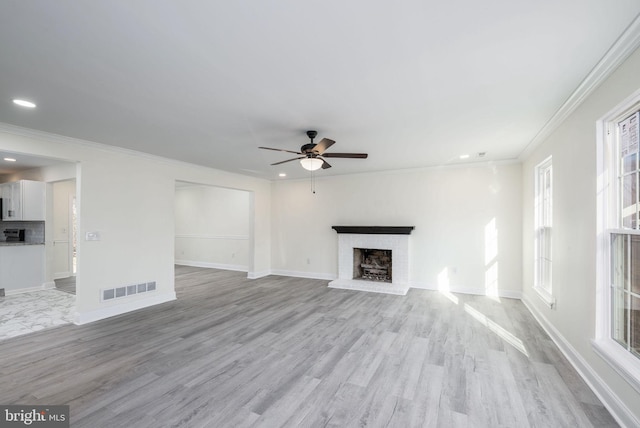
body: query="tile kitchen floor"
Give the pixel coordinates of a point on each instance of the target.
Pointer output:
(33, 311)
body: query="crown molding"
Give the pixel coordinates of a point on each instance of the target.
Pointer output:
(621, 49)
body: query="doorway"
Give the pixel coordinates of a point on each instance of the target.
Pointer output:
(212, 227)
(64, 231)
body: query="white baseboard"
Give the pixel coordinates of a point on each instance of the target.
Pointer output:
(45, 286)
(239, 268)
(122, 308)
(258, 274)
(507, 294)
(300, 274)
(616, 407)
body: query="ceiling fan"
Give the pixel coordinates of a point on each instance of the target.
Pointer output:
(312, 155)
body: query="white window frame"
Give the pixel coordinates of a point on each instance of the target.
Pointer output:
(543, 223)
(621, 360)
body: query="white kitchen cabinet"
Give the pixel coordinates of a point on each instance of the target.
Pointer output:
(23, 200)
(21, 267)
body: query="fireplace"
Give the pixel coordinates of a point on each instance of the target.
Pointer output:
(372, 264)
(373, 258)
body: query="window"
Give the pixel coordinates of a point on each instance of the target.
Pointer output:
(625, 238)
(625, 289)
(618, 257)
(543, 227)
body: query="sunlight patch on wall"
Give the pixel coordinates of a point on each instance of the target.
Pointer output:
(490, 260)
(490, 242)
(443, 285)
(491, 281)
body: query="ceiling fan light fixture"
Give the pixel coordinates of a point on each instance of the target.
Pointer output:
(311, 164)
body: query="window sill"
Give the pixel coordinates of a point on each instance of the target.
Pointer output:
(621, 360)
(547, 298)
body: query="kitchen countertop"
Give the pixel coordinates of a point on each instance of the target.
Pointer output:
(11, 244)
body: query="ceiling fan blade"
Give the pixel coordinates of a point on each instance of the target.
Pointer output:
(288, 160)
(346, 155)
(280, 150)
(325, 164)
(323, 145)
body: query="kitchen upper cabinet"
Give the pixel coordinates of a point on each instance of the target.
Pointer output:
(11, 201)
(23, 200)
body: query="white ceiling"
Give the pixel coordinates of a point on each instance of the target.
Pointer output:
(23, 162)
(413, 83)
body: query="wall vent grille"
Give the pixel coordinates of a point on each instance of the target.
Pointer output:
(126, 290)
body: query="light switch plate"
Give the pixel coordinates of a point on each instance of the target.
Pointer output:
(92, 236)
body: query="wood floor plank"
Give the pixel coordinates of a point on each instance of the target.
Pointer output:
(290, 352)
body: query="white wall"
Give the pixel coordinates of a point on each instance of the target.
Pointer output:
(457, 212)
(573, 147)
(129, 198)
(212, 227)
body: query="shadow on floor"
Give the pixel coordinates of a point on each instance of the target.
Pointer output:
(68, 285)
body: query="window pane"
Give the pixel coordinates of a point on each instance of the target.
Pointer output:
(619, 325)
(546, 259)
(617, 259)
(543, 222)
(629, 163)
(635, 264)
(629, 198)
(635, 325)
(618, 280)
(619, 265)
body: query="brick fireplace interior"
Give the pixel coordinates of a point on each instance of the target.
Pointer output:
(372, 264)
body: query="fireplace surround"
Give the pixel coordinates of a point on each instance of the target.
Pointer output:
(391, 239)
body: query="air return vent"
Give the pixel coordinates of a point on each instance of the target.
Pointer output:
(127, 290)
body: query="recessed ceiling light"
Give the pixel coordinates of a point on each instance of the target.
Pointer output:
(464, 156)
(282, 174)
(24, 103)
(10, 159)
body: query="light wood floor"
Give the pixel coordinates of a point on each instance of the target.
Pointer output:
(278, 351)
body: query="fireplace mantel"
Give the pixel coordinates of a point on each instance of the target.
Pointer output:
(375, 230)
